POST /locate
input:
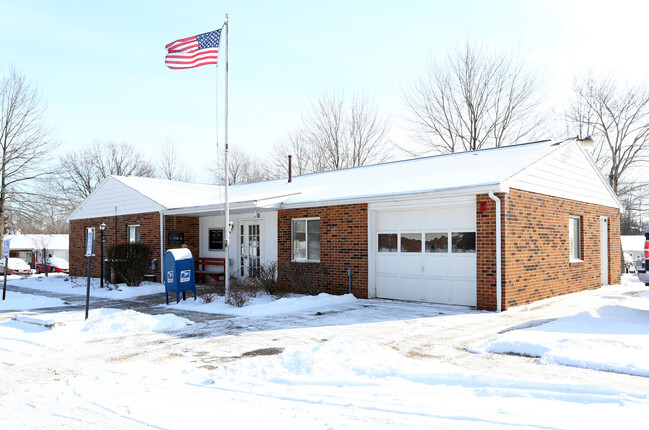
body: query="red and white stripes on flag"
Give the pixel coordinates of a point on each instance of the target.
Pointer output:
(194, 51)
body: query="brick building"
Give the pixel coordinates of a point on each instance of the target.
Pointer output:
(426, 229)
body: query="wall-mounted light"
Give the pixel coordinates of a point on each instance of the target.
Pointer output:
(587, 143)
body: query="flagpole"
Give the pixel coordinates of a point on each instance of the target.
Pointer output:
(227, 165)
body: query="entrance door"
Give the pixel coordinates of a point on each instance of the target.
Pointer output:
(603, 247)
(250, 251)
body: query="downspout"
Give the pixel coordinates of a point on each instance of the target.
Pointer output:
(162, 247)
(499, 273)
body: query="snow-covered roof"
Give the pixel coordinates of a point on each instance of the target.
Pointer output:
(441, 172)
(34, 241)
(633, 243)
(476, 171)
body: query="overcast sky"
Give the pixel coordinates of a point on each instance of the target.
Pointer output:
(100, 65)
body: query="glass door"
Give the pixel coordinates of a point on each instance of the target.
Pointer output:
(250, 248)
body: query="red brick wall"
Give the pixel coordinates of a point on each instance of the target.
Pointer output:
(343, 245)
(535, 248)
(116, 232)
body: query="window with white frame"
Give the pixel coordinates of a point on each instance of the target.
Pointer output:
(575, 238)
(305, 237)
(133, 234)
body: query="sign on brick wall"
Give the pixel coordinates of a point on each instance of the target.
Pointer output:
(175, 239)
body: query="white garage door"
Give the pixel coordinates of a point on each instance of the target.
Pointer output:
(427, 254)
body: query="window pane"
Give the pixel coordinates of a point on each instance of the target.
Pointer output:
(133, 234)
(463, 242)
(410, 242)
(436, 242)
(387, 242)
(299, 240)
(575, 245)
(313, 239)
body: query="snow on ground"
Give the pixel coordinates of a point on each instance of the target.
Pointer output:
(265, 305)
(127, 369)
(612, 338)
(28, 301)
(63, 284)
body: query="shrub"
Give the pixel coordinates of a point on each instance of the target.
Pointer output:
(265, 278)
(130, 261)
(209, 292)
(240, 293)
(310, 278)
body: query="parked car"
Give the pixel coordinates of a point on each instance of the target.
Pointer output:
(643, 265)
(54, 265)
(16, 266)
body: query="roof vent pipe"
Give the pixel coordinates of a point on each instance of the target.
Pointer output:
(290, 168)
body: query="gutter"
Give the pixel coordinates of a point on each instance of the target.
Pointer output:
(401, 196)
(499, 283)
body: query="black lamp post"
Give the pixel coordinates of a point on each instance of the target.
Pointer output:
(102, 227)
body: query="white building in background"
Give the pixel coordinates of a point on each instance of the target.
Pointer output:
(634, 246)
(25, 246)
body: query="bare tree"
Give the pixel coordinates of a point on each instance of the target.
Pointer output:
(171, 163)
(244, 168)
(81, 171)
(45, 214)
(474, 99)
(345, 134)
(297, 146)
(618, 120)
(24, 141)
(336, 133)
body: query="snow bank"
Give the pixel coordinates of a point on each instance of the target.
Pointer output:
(613, 338)
(102, 322)
(111, 321)
(20, 301)
(265, 305)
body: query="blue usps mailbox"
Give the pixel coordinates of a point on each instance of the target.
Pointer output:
(179, 273)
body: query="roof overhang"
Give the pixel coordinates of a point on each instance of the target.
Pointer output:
(496, 187)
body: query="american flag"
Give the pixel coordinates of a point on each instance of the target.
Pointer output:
(193, 51)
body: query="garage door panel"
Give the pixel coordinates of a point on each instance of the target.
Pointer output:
(387, 221)
(410, 288)
(410, 265)
(463, 265)
(436, 290)
(463, 292)
(386, 286)
(436, 265)
(410, 220)
(387, 263)
(436, 219)
(463, 217)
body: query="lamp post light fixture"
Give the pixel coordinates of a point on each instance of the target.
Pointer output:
(102, 227)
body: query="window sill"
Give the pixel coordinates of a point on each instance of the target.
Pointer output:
(576, 261)
(305, 261)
